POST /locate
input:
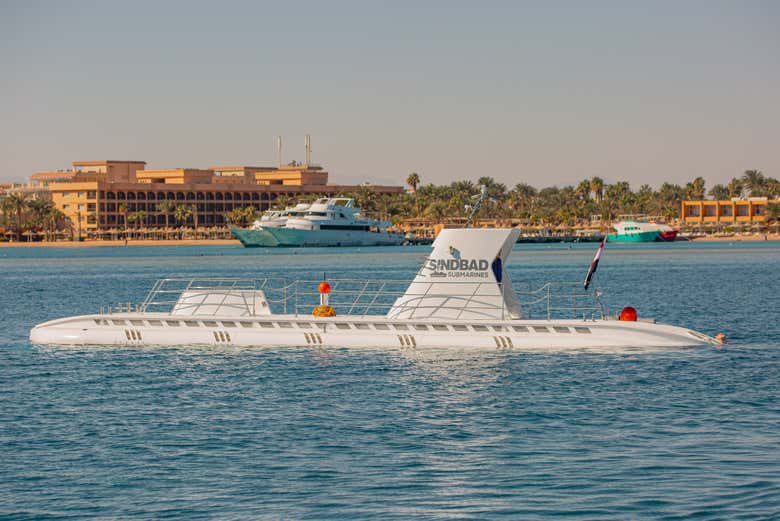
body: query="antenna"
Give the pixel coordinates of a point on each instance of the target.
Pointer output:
(307, 144)
(279, 149)
(480, 198)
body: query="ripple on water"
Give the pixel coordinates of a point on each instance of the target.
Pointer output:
(337, 434)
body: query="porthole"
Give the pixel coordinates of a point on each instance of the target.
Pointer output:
(401, 327)
(498, 328)
(210, 323)
(155, 323)
(342, 325)
(479, 328)
(172, 323)
(440, 327)
(191, 323)
(247, 324)
(360, 325)
(460, 327)
(520, 329)
(228, 324)
(137, 322)
(421, 327)
(381, 327)
(561, 329)
(580, 329)
(266, 324)
(286, 325)
(541, 329)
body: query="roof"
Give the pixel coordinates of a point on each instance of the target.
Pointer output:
(53, 175)
(105, 162)
(242, 168)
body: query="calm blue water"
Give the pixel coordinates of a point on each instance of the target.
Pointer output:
(335, 434)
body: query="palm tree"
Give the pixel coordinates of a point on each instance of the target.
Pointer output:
(194, 213)
(166, 207)
(123, 210)
(597, 187)
(755, 182)
(236, 216)
(695, 189)
(250, 213)
(583, 190)
(137, 217)
(365, 196)
(522, 199)
(15, 204)
(719, 192)
(413, 180)
(181, 213)
(53, 220)
(283, 201)
(735, 188)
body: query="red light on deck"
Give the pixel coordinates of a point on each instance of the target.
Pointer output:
(324, 287)
(628, 314)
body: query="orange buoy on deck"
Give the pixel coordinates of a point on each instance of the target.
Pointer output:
(628, 314)
(324, 309)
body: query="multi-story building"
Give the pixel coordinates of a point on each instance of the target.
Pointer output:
(102, 194)
(733, 211)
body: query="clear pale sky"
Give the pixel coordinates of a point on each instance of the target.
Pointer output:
(544, 92)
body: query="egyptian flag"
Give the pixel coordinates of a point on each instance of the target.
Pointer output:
(594, 264)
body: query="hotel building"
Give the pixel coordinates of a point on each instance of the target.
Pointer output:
(728, 212)
(100, 194)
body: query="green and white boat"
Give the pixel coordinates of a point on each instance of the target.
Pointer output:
(642, 231)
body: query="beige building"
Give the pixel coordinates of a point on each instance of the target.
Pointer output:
(102, 194)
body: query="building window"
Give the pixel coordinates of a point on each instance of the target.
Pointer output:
(65, 206)
(91, 195)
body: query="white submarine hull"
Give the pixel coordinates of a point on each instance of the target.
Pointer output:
(335, 332)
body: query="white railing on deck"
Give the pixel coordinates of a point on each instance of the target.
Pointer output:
(357, 297)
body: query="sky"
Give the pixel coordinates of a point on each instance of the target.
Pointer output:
(546, 93)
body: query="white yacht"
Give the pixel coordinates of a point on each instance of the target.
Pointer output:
(278, 218)
(461, 298)
(326, 222)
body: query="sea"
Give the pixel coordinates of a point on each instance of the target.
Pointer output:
(302, 433)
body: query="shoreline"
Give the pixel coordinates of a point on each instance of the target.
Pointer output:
(235, 242)
(121, 242)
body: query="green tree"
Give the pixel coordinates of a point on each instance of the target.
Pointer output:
(236, 216)
(754, 182)
(719, 192)
(413, 180)
(182, 213)
(597, 187)
(166, 207)
(15, 205)
(283, 201)
(735, 188)
(695, 189)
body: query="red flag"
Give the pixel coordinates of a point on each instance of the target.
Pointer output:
(594, 264)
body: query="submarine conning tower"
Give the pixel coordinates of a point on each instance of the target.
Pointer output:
(463, 278)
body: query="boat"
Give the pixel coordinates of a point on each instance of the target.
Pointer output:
(326, 222)
(642, 231)
(278, 218)
(461, 298)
